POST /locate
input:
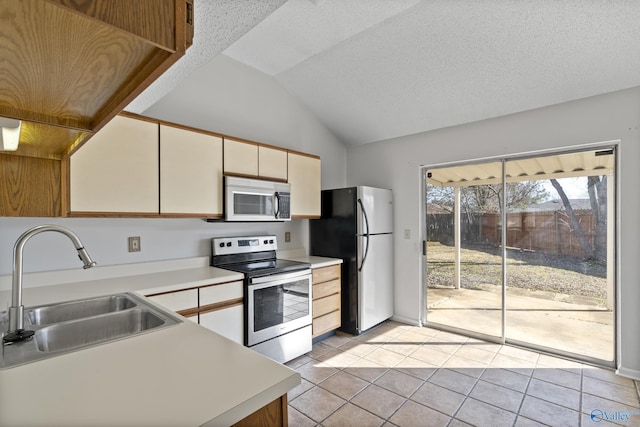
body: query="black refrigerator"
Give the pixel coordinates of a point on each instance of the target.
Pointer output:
(356, 225)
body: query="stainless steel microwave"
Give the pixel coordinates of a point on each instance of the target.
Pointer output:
(247, 199)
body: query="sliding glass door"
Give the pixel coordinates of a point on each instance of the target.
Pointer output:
(522, 251)
(559, 239)
(464, 263)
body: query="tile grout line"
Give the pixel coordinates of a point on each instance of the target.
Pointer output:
(525, 394)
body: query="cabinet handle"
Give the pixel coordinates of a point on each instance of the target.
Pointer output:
(189, 13)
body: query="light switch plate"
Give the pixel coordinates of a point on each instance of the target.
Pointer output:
(134, 244)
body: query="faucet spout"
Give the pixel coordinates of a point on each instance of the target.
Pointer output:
(85, 258)
(16, 311)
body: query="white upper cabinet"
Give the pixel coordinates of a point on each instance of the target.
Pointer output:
(138, 167)
(254, 159)
(304, 177)
(117, 169)
(240, 158)
(190, 172)
(272, 163)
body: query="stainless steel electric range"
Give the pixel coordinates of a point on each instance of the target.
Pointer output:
(277, 295)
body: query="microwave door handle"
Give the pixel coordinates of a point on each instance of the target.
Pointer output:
(277, 204)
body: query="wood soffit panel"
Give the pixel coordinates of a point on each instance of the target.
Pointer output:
(68, 67)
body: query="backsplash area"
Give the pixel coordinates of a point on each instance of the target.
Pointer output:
(106, 239)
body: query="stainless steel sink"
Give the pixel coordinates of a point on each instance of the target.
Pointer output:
(94, 330)
(75, 325)
(56, 313)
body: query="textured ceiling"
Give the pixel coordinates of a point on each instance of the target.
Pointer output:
(217, 24)
(378, 69)
(373, 69)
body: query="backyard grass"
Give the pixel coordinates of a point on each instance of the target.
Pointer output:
(482, 265)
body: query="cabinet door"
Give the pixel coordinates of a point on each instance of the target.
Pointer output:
(117, 169)
(272, 163)
(240, 157)
(304, 177)
(227, 322)
(190, 172)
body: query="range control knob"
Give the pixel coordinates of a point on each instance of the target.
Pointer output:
(271, 241)
(266, 242)
(228, 244)
(221, 245)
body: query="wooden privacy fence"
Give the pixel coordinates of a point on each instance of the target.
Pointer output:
(548, 232)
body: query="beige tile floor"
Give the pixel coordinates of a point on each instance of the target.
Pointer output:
(399, 375)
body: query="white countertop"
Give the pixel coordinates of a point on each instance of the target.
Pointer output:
(183, 375)
(315, 261)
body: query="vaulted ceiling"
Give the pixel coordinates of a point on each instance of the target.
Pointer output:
(378, 69)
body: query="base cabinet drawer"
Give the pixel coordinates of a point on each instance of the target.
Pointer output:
(326, 323)
(325, 274)
(326, 305)
(178, 301)
(219, 293)
(326, 292)
(322, 290)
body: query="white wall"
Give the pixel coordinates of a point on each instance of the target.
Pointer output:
(244, 103)
(396, 164)
(106, 240)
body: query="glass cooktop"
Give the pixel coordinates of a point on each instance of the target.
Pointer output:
(267, 267)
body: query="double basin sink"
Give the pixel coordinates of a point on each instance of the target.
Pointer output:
(71, 326)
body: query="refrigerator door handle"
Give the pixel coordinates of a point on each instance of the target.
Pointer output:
(366, 234)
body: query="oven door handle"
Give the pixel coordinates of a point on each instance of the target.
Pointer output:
(279, 277)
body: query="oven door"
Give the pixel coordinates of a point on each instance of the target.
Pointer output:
(277, 304)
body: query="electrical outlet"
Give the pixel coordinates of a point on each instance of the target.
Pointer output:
(407, 234)
(134, 244)
(287, 236)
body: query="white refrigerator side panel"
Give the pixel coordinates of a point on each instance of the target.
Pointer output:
(375, 281)
(378, 204)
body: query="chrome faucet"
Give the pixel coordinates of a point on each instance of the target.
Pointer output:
(16, 311)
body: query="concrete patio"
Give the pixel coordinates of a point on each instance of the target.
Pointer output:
(560, 322)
